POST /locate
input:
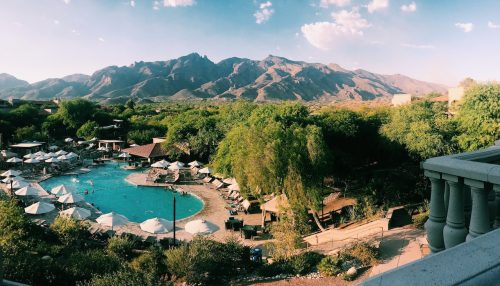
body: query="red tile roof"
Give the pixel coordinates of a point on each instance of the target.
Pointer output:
(146, 151)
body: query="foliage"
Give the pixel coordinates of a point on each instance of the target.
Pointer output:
(151, 264)
(69, 231)
(363, 252)
(76, 112)
(14, 226)
(88, 130)
(305, 262)
(121, 247)
(479, 117)
(144, 136)
(330, 266)
(420, 219)
(82, 265)
(119, 278)
(287, 238)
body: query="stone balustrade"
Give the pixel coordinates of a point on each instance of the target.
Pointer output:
(465, 197)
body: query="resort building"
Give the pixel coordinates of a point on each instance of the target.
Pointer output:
(152, 152)
(27, 147)
(401, 99)
(114, 145)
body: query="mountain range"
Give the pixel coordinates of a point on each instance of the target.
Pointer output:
(196, 77)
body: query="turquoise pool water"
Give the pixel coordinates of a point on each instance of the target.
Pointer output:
(109, 191)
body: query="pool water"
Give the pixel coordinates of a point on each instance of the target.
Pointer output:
(108, 191)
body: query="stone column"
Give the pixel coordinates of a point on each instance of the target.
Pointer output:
(446, 195)
(467, 205)
(455, 232)
(491, 203)
(496, 188)
(480, 216)
(435, 223)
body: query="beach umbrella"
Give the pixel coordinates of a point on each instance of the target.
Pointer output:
(39, 153)
(11, 173)
(112, 219)
(157, 225)
(205, 170)
(195, 164)
(71, 155)
(62, 158)
(51, 154)
(68, 140)
(76, 213)
(229, 181)
(12, 179)
(59, 190)
(31, 191)
(32, 161)
(70, 198)
(52, 160)
(19, 184)
(40, 158)
(61, 152)
(199, 226)
(29, 156)
(39, 208)
(175, 165)
(160, 164)
(234, 187)
(124, 155)
(14, 160)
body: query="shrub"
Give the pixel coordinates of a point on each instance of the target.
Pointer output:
(120, 278)
(68, 230)
(151, 265)
(83, 265)
(273, 269)
(121, 247)
(363, 252)
(420, 219)
(305, 262)
(330, 266)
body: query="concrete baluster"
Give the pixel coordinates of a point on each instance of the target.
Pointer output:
(496, 188)
(446, 195)
(435, 224)
(454, 231)
(467, 205)
(479, 220)
(492, 205)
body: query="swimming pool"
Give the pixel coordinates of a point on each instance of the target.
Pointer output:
(108, 191)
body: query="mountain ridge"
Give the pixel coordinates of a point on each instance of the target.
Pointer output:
(194, 76)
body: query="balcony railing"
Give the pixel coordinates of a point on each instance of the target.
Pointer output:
(465, 197)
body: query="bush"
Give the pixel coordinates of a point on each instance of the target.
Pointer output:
(121, 247)
(305, 262)
(151, 265)
(84, 265)
(362, 252)
(68, 230)
(120, 278)
(330, 266)
(273, 269)
(420, 219)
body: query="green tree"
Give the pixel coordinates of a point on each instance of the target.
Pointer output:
(88, 130)
(69, 231)
(76, 112)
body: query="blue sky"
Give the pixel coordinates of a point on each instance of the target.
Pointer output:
(441, 41)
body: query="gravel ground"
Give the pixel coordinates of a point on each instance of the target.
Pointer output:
(313, 282)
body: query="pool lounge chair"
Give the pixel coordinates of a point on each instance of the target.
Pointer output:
(207, 179)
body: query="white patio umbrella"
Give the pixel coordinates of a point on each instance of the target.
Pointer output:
(19, 184)
(32, 161)
(70, 198)
(11, 173)
(29, 156)
(76, 213)
(53, 148)
(51, 154)
(71, 155)
(124, 155)
(12, 179)
(14, 160)
(31, 191)
(61, 152)
(229, 181)
(112, 219)
(39, 153)
(62, 158)
(200, 226)
(205, 170)
(195, 164)
(59, 190)
(175, 165)
(234, 187)
(39, 208)
(52, 160)
(157, 225)
(68, 140)
(160, 164)
(40, 158)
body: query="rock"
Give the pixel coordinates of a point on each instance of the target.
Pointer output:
(352, 271)
(46, 258)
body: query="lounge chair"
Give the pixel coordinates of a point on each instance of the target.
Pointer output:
(207, 179)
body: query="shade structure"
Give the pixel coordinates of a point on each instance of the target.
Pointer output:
(67, 140)
(61, 152)
(59, 190)
(229, 181)
(11, 173)
(124, 155)
(53, 147)
(112, 219)
(41, 158)
(205, 170)
(52, 160)
(31, 191)
(234, 187)
(14, 160)
(29, 156)
(8, 180)
(51, 154)
(199, 226)
(19, 184)
(71, 155)
(62, 158)
(195, 164)
(161, 164)
(176, 165)
(76, 213)
(40, 153)
(103, 149)
(70, 198)
(39, 208)
(157, 225)
(31, 161)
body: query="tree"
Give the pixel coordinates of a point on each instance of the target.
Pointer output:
(54, 127)
(13, 226)
(76, 112)
(88, 130)
(479, 117)
(69, 231)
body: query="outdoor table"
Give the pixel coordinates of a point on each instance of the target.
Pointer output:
(248, 231)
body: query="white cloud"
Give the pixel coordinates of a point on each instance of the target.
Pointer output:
(346, 24)
(492, 25)
(466, 27)
(375, 5)
(156, 5)
(338, 3)
(178, 3)
(66, 1)
(100, 39)
(56, 22)
(412, 7)
(264, 13)
(421, 47)
(132, 3)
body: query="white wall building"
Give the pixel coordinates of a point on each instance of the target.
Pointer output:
(401, 99)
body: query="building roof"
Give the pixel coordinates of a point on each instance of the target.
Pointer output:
(442, 98)
(146, 151)
(111, 141)
(275, 204)
(27, 145)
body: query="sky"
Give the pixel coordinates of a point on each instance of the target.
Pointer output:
(439, 41)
